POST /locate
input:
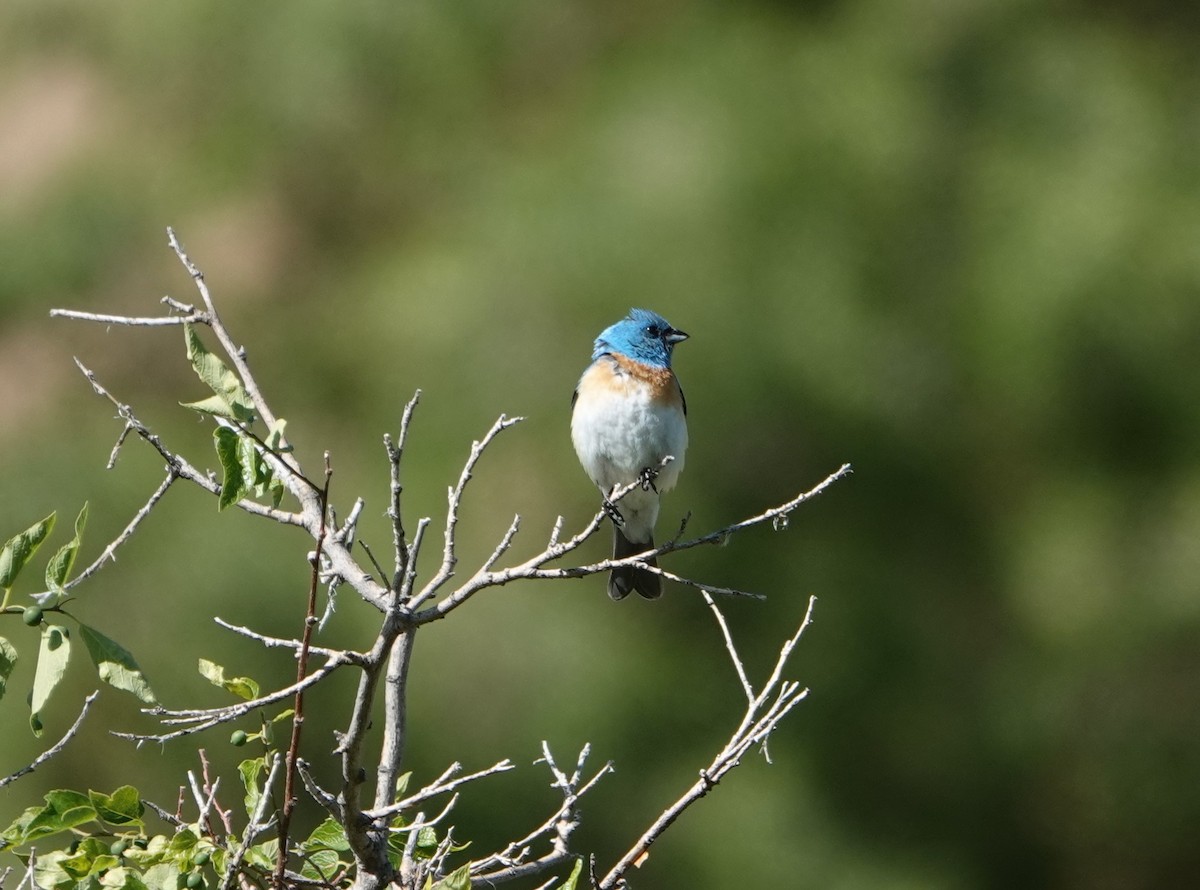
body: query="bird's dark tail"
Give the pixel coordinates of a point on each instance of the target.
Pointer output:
(627, 578)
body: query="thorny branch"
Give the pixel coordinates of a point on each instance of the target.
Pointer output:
(403, 610)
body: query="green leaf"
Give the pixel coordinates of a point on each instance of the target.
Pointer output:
(122, 878)
(322, 849)
(63, 810)
(116, 665)
(19, 548)
(122, 807)
(401, 785)
(320, 865)
(15, 833)
(459, 879)
(329, 835)
(183, 841)
(427, 838)
(214, 405)
(48, 872)
(233, 483)
(250, 770)
(242, 687)
(251, 464)
(8, 660)
(163, 876)
(222, 381)
(91, 858)
(53, 656)
(275, 435)
(59, 568)
(154, 852)
(574, 878)
(263, 855)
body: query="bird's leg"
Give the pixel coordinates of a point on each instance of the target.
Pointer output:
(646, 478)
(610, 509)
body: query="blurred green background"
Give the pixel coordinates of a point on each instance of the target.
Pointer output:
(954, 243)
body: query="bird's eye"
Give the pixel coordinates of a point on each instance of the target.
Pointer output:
(654, 331)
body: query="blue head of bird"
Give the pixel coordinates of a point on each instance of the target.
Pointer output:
(642, 335)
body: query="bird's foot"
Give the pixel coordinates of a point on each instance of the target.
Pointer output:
(646, 479)
(611, 511)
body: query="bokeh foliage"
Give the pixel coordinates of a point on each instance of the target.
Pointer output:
(953, 243)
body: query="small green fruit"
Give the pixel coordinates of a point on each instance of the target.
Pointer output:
(194, 880)
(32, 615)
(238, 738)
(201, 858)
(119, 847)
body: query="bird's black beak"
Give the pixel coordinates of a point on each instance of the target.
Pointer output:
(673, 336)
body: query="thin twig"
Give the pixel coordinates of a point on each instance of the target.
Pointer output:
(395, 453)
(129, 320)
(441, 785)
(56, 747)
(535, 566)
(293, 752)
(511, 863)
(757, 724)
(346, 656)
(198, 720)
(454, 501)
(730, 648)
(109, 552)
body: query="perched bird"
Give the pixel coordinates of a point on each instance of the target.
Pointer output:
(627, 414)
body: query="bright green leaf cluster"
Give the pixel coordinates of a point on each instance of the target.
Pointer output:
(114, 664)
(67, 810)
(113, 851)
(245, 472)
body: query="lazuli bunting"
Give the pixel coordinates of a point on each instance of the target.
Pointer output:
(627, 414)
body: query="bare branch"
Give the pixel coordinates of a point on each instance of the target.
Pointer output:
(441, 785)
(512, 862)
(178, 465)
(733, 655)
(109, 552)
(454, 501)
(293, 751)
(319, 794)
(198, 720)
(348, 656)
(776, 515)
(341, 562)
(236, 354)
(757, 725)
(56, 747)
(395, 725)
(129, 320)
(395, 452)
(535, 566)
